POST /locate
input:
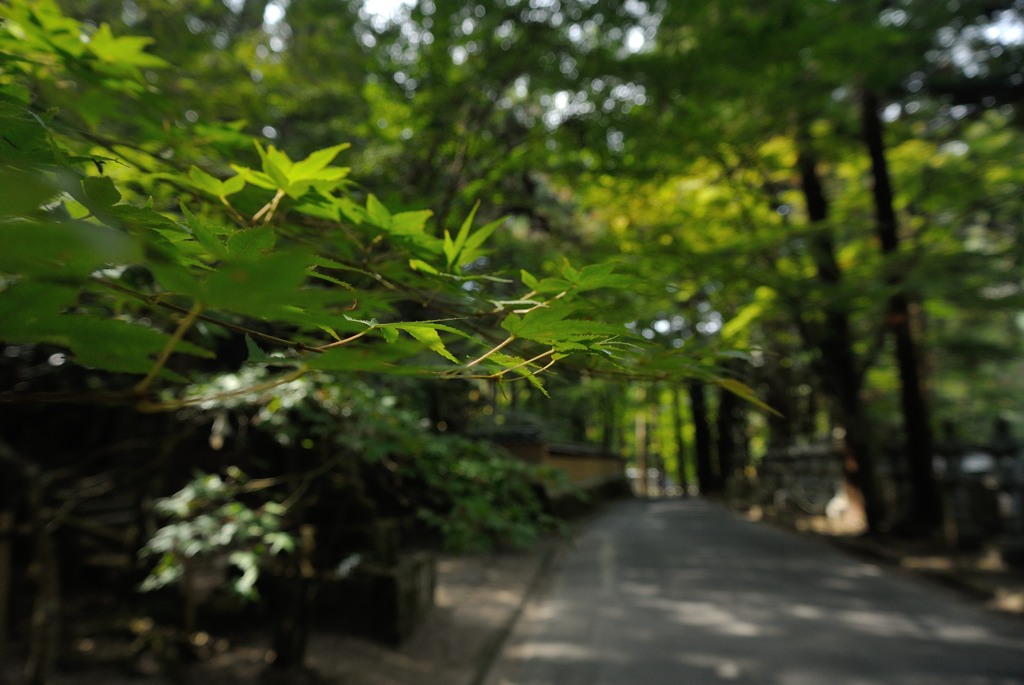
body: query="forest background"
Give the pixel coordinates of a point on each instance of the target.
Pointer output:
(359, 232)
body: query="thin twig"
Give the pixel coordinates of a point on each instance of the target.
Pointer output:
(537, 372)
(239, 219)
(155, 407)
(339, 343)
(526, 362)
(540, 304)
(9, 455)
(158, 301)
(151, 407)
(508, 341)
(142, 387)
(104, 398)
(307, 480)
(269, 208)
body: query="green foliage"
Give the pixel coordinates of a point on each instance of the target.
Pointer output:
(466, 247)
(283, 252)
(207, 519)
(475, 494)
(138, 246)
(490, 498)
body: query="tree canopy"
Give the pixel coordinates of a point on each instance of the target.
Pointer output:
(435, 214)
(180, 182)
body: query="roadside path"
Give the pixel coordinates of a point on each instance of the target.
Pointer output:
(478, 600)
(683, 591)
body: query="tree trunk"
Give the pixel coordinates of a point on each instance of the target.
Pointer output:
(677, 418)
(810, 414)
(838, 365)
(725, 444)
(292, 604)
(609, 420)
(295, 590)
(6, 533)
(45, 620)
(728, 407)
(780, 383)
(926, 511)
(15, 473)
(655, 448)
(642, 445)
(706, 480)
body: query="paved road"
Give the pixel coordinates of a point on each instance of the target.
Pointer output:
(687, 593)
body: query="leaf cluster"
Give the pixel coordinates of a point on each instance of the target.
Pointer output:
(284, 252)
(207, 519)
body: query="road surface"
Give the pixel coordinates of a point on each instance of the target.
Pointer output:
(687, 593)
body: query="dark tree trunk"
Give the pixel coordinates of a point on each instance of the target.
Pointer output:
(838, 365)
(44, 623)
(780, 383)
(726, 435)
(579, 414)
(810, 410)
(781, 431)
(643, 444)
(655, 450)
(6, 533)
(45, 620)
(292, 603)
(678, 423)
(609, 415)
(926, 511)
(706, 480)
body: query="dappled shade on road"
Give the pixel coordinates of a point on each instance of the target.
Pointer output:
(686, 592)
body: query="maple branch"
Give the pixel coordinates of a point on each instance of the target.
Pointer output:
(150, 407)
(505, 343)
(143, 386)
(269, 208)
(527, 362)
(339, 343)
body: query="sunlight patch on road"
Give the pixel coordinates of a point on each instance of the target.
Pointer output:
(811, 677)
(705, 615)
(641, 589)
(807, 611)
(561, 651)
(881, 624)
(723, 668)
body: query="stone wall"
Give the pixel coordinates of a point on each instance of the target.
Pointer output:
(805, 482)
